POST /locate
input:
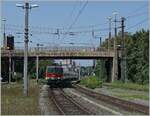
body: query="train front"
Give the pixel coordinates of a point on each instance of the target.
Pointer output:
(54, 74)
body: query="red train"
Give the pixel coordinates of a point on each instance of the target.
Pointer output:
(59, 74)
(54, 72)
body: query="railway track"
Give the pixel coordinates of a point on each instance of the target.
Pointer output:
(65, 104)
(126, 105)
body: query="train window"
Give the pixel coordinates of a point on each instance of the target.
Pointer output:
(51, 70)
(59, 70)
(55, 70)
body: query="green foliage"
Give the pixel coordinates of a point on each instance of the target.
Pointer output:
(88, 70)
(42, 81)
(18, 76)
(137, 57)
(129, 85)
(19, 66)
(32, 68)
(32, 76)
(100, 70)
(91, 82)
(130, 96)
(137, 48)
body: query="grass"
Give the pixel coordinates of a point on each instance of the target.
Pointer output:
(13, 102)
(42, 81)
(131, 86)
(131, 96)
(91, 82)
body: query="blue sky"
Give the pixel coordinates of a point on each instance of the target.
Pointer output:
(51, 15)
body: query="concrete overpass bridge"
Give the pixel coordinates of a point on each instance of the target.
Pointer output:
(77, 52)
(61, 53)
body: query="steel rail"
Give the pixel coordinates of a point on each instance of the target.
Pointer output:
(127, 105)
(77, 104)
(64, 96)
(55, 102)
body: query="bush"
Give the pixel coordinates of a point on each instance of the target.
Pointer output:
(129, 85)
(91, 82)
(18, 77)
(32, 76)
(42, 81)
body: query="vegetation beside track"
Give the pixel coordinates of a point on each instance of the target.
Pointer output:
(132, 96)
(13, 102)
(131, 86)
(118, 88)
(91, 82)
(137, 58)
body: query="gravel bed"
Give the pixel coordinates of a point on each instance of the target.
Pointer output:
(45, 103)
(107, 91)
(91, 107)
(109, 106)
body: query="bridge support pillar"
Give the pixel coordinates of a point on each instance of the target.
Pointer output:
(109, 70)
(115, 67)
(13, 68)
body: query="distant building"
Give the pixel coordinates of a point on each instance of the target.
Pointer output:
(67, 62)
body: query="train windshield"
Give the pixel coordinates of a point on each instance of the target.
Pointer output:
(55, 70)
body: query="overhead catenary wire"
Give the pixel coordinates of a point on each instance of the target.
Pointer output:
(80, 12)
(75, 32)
(76, 18)
(132, 15)
(60, 28)
(137, 14)
(79, 27)
(139, 23)
(72, 11)
(138, 9)
(126, 29)
(70, 15)
(48, 30)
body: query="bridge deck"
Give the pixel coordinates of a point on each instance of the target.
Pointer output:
(43, 53)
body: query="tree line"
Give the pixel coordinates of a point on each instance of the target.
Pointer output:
(137, 55)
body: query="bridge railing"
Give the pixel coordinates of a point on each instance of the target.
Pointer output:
(77, 48)
(61, 51)
(68, 48)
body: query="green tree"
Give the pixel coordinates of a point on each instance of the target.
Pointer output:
(137, 54)
(100, 70)
(137, 46)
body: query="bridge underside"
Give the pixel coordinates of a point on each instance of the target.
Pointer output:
(47, 55)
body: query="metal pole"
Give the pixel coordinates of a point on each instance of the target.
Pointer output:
(26, 49)
(9, 80)
(37, 64)
(109, 32)
(4, 34)
(122, 31)
(13, 68)
(94, 60)
(123, 61)
(100, 41)
(115, 32)
(115, 58)
(79, 72)
(58, 33)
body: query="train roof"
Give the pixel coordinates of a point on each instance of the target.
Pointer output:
(54, 66)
